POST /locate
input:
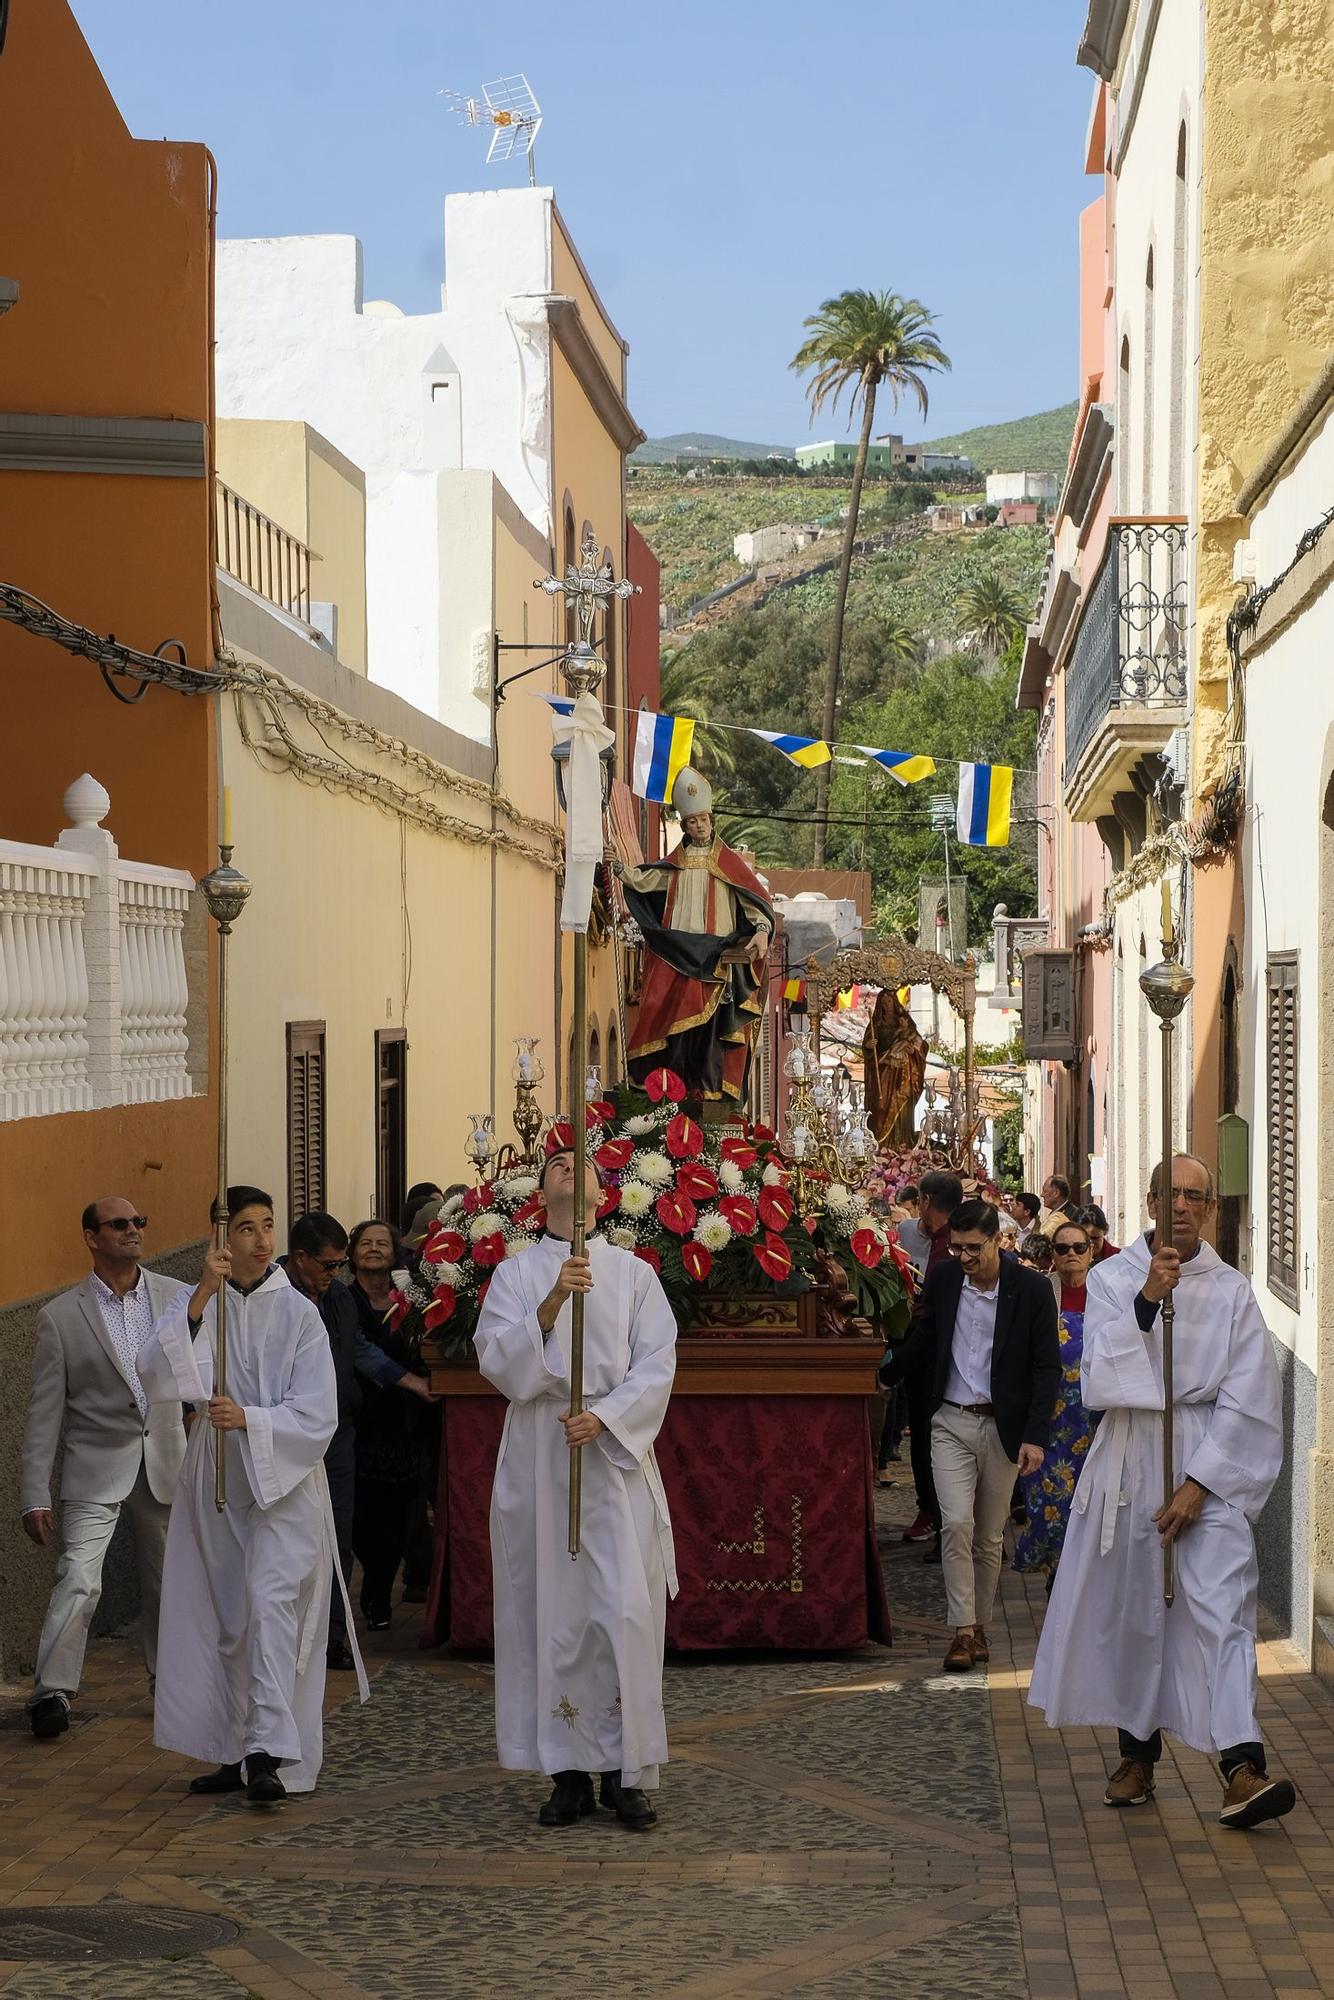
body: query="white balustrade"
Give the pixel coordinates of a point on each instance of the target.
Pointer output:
(93, 988)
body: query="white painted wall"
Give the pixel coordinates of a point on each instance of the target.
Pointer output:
(1002, 486)
(411, 399)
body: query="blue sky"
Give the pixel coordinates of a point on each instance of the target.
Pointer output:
(723, 168)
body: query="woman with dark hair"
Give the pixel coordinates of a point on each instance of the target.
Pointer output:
(1049, 1492)
(1095, 1222)
(393, 1442)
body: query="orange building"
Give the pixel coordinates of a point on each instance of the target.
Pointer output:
(105, 516)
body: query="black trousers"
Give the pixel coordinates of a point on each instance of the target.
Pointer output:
(917, 1391)
(1150, 1752)
(382, 1533)
(340, 1466)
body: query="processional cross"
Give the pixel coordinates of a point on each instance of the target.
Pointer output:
(591, 588)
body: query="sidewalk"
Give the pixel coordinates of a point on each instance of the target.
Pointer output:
(848, 1826)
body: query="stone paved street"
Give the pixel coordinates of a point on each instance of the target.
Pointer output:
(858, 1825)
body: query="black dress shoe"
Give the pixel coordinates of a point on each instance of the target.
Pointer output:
(630, 1805)
(571, 1799)
(263, 1785)
(49, 1716)
(227, 1778)
(339, 1655)
(380, 1623)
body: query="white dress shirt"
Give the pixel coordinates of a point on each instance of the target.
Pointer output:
(969, 1379)
(128, 1321)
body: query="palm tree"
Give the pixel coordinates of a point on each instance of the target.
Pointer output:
(684, 689)
(859, 341)
(992, 614)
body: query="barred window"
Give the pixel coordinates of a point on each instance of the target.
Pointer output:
(305, 1117)
(1281, 1040)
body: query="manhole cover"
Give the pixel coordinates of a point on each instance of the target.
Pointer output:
(109, 1930)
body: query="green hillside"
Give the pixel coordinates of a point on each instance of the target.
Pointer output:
(1029, 444)
(661, 451)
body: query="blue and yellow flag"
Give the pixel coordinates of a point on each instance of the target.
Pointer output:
(901, 764)
(662, 750)
(984, 804)
(807, 751)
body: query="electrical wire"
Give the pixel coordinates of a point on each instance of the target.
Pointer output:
(20, 607)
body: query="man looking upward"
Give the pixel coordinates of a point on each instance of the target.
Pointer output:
(579, 1644)
(1111, 1648)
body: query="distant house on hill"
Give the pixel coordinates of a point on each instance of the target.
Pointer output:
(760, 545)
(920, 457)
(1017, 514)
(1003, 486)
(831, 452)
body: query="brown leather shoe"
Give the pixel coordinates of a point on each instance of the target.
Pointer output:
(1131, 1784)
(981, 1650)
(1253, 1796)
(961, 1657)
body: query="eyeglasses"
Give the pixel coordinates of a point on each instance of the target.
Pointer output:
(122, 1223)
(1197, 1197)
(330, 1264)
(1069, 1249)
(967, 1249)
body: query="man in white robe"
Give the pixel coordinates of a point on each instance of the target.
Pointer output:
(579, 1644)
(245, 1591)
(1112, 1652)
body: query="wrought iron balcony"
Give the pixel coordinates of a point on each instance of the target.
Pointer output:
(1128, 671)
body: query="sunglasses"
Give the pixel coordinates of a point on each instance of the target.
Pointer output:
(1070, 1249)
(327, 1263)
(122, 1223)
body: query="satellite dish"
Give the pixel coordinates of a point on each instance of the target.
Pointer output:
(510, 111)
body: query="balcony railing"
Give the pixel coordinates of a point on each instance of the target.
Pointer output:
(1131, 650)
(261, 555)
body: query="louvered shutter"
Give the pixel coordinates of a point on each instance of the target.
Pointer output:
(1281, 979)
(305, 1117)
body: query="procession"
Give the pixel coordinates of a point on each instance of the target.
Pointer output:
(666, 1162)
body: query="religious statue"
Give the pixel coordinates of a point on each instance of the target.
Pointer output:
(707, 926)
(895, 1066)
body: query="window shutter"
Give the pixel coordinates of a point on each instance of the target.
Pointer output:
(305, 1117)
(1281, 981)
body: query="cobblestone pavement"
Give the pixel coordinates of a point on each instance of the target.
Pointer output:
(845, 1826)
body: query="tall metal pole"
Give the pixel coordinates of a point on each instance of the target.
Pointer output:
(226, 891)
(1167, 987)
(578, 1118)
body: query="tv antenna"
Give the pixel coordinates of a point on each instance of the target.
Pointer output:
(514, 116)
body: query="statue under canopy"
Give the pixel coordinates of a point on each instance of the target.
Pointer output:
(895, 1068)
(707, 926)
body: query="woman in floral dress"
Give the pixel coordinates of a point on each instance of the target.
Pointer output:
(1049, 1491)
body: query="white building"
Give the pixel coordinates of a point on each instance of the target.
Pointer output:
(1003, 486)
(415, 400)
(760, 545)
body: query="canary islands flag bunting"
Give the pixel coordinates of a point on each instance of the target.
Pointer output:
(909, 770)
(984, 804)
(663, 744)
(806, 751)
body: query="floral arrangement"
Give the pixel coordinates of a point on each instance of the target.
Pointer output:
(707, 1210)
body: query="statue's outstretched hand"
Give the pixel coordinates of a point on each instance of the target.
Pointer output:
(758, 948)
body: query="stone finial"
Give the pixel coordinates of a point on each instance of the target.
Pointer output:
(86, 803)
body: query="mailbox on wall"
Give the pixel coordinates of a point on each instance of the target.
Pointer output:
(1049, 1027)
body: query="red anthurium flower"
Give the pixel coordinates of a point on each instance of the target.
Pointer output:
(739, 1151)
(489, 1250)
(615, 1155)
(900, 1261)
(610, 1202)
(600, 1111)
(811, 1224)
(775, 1206)
(696, 1180)
(440, 1309)
(738, 1210)
(483, 1289)
(399, 1308)
(867, 1247)
(535, 1205)
(774, 1258)
(648, 1255)
(660, 1083)
(560, 1137)
(472, 1201)
(764, 1133)
(697, 1260)
(443, 1246)
(675, 1212)
(685, 1140)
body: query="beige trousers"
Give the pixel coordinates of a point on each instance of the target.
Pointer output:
(86, 1528)
(974, 1482)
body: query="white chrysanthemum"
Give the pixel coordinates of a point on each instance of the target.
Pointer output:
(731, 1177)
(839, 1199)
(448, 1274)
(516, 1189)
(488, 1223)
(452, 1207)
(865, 1222)
(636, 1198)
(622, 1239)
(714, 1231)
(517, 1245)
(640, 1127)
(655, 1168)
(772, 1176)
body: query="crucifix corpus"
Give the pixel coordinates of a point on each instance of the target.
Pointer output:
(582, 737)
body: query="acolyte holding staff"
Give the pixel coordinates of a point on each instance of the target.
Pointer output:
(1152, 1617)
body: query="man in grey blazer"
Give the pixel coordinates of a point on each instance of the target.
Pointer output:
(118, 1450)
